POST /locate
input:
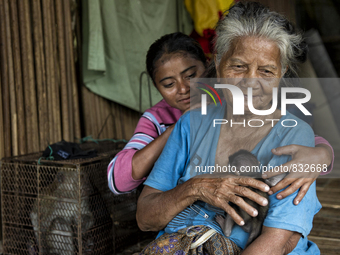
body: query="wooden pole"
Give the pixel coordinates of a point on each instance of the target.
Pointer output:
(69, 64)
(62, 65)
(2, 141)
(31, 78)
(49, 69)
(114, 126)
(97, 116)
(18, 78)
(101, 114)
(55, 74)
(118, 121)
(73, 84)
(14, 124)
(109, 123)
(5, 84)
(107, 118)
(40, 74)
(93, 106)
(86, 110)
(25, 77)
(79, 63)
(122, 121)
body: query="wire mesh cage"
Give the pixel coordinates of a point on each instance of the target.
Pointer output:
(65, 207)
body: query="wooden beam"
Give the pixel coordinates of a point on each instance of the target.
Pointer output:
(11, 81)
(40, 74)
(20, 104)
(5, 83)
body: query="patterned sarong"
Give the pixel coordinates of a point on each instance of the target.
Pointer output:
(179, 243)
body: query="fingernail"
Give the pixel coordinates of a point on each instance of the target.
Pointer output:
(264, 176)
(279, 197)
(297, 202)
(274, 149)
(242, 223)
(264, 202)
(255, 213)
(267, 188)
(270, 192)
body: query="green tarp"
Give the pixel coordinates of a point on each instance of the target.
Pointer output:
(116, 37)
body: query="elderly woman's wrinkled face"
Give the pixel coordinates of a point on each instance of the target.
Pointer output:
(251, 62)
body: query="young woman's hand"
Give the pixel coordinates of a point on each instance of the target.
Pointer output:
(304, 160)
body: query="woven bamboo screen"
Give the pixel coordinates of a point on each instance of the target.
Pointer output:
(41, 100)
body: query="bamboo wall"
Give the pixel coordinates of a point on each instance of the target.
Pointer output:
(41, 99)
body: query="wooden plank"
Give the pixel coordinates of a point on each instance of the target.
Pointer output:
(114, 125)
(32, 132)
(328, 212)
(122, 120)
(25, 75)
(326, 227)
(108, 119)
(2, 143)
(103, 125)
(40, 74)
(49, 69)
(334, 184)
(329, 198)
(5, 84)
(69, 64)
(62, 65)
(11, 81)
(321, 182)
(31, 78)
(100, 133)
(86, 110)
(73, 84)
(18, 78)
(118, 125)
(92, 105)
(56, 72)
(327, 246)
(97, 116)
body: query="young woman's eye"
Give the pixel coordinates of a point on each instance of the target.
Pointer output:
(193, 75)
(168, 85)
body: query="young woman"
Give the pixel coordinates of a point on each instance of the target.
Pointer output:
(171, 62)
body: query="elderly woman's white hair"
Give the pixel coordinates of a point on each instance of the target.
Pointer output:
(254, 19)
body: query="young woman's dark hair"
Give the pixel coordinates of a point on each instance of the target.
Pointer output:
(169, 44)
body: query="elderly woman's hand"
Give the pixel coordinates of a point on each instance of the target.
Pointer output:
(219, 191)
(156, 208)
(301, 157)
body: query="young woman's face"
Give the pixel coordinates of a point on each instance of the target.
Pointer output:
(172, 78)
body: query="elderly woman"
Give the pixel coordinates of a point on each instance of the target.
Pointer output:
(254, 48)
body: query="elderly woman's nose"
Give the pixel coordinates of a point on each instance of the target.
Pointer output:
(251, 73)
(251, 82)
(251, 78)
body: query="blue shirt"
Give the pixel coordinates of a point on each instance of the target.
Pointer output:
(192, 147)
